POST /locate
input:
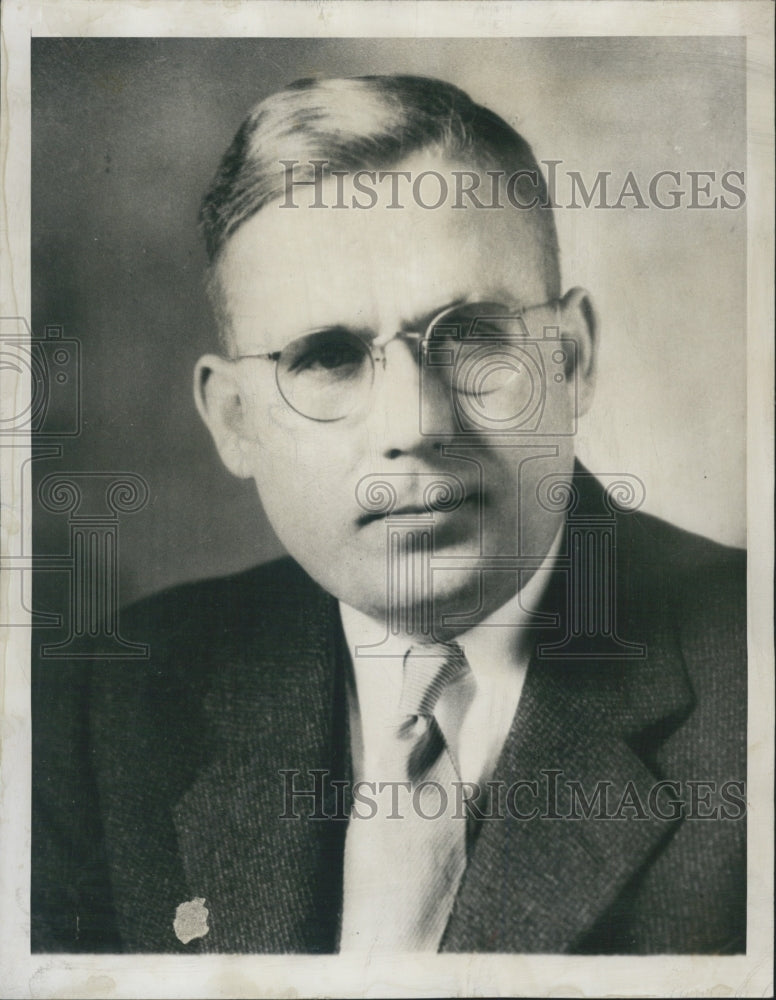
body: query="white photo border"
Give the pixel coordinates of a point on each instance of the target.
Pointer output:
(26, 975)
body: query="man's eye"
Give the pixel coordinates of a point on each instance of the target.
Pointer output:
(330, 354)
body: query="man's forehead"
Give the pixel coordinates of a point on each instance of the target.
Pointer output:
(287, 269)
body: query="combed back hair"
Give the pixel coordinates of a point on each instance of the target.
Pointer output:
(361, 123)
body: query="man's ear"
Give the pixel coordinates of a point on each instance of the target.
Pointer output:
(579, 321)
(221, 405)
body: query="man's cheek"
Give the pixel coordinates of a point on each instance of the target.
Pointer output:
(314, 498)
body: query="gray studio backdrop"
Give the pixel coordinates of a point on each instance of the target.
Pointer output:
(127, 132)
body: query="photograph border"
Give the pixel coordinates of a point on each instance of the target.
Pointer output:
(31, 975)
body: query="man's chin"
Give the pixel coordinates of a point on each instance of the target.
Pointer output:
(415, 595)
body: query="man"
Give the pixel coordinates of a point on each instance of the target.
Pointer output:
(484, 706)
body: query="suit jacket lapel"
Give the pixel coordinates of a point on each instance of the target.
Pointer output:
(271, 884)
(540, 884)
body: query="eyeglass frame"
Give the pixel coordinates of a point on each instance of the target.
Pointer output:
(423, 339)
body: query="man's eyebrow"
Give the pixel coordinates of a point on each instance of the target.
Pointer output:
(418, 323)
(492, 296)
(333, 327)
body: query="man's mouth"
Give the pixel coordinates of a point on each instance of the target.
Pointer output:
(433, 505)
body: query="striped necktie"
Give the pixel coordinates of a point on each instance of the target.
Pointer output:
(402, 874)
(428, 672)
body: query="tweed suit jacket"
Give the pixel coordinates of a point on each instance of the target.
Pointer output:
(160, 781)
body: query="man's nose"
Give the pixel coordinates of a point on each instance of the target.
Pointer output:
(410, 406)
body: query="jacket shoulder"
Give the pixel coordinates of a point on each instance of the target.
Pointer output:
(261, 597)
(658, 562)
(697, 577)
(678, 551)
(238, 624)
(699, 587)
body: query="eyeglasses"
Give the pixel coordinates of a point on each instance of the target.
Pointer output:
(472, 347)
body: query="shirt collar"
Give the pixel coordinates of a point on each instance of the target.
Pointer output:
(497, 643)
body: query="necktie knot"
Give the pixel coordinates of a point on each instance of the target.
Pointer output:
(431, 673)
(428, 670)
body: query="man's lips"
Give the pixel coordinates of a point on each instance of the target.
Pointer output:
(420, 509)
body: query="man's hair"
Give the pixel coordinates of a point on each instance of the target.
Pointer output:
(362, 123)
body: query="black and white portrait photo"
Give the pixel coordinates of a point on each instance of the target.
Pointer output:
(389, 578)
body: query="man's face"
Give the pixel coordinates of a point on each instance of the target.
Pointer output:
(287, 272)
